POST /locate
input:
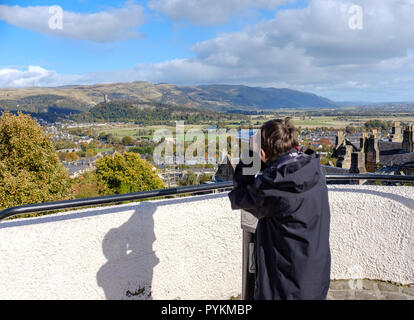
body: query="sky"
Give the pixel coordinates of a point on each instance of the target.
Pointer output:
(345, 50)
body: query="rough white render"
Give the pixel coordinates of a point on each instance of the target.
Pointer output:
(189, 248)
(372, 233)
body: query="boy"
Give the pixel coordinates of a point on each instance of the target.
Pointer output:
(290, 199)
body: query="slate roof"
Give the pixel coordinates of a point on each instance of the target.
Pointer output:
(334, 170)
(392, 154)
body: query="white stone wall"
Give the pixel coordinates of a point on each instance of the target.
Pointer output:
(372, 233)
(189, 248)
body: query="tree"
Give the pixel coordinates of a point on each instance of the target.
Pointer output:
(30, 170)
(128, 141)
(88, 185)
(378, 124)
(350, 130)
(190, 179)
(89, 153)
(65, 144)
(106, 136)
(127, 173)
(88, 149)
(71, 156)
(204, 178)
(84, 146)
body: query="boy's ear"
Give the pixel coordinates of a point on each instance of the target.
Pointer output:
(263, 155)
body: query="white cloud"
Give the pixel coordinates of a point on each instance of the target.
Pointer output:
(34, 76)
(314, 49)
(105, 26)
(309, 49)
(207, 12)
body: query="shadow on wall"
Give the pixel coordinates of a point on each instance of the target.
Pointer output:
(128, 249)
(131, 260)
(128, 272)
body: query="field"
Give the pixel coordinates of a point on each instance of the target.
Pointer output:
(315, 122)
(137, 131)
(336, 123)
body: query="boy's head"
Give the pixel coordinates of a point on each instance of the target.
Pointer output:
(278, 136)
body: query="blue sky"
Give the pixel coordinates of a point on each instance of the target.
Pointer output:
(163, 39)
(306, 45)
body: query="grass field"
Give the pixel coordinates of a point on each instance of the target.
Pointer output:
(317, 122)
(313, 122)
(134, 130)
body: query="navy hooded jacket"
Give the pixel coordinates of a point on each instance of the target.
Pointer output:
(290, 199)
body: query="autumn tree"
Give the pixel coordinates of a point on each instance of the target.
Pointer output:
(30, 170)
(127, 173)
(71, 156)
(88, 149)
(88, 185)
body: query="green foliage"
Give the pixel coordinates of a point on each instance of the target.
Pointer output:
(89, 153)
(148, 113)
(43, 104)
(127, 141)
(378, 124)
(88, 150)
(82, 132)
(107, 137)
(204, 178)
(65, 144)
(88, 185)
(147, 150)
(190, 179)
(127, 173)
(142, 150)
(30, 170)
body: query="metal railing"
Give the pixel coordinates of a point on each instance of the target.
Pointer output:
(77, 203)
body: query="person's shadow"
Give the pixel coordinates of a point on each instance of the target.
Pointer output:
(128, 272)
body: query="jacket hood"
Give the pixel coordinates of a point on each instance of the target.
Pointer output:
(293, 171)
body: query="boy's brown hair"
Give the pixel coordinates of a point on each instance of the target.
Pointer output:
(278, 136)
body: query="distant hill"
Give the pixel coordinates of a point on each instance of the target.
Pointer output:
(148, 113)
(211, 97)
(263, 98)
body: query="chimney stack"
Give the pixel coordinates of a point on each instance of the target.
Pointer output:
(408, 141)
(358, 163)
(397, 135)
(339, 138)
(372, 154)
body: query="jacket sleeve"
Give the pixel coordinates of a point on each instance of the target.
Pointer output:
(246, 193)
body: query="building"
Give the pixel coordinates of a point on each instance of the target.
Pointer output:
(375, 155)
(408, 139)
(343, 151)
(226, 168)
(397, 135)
